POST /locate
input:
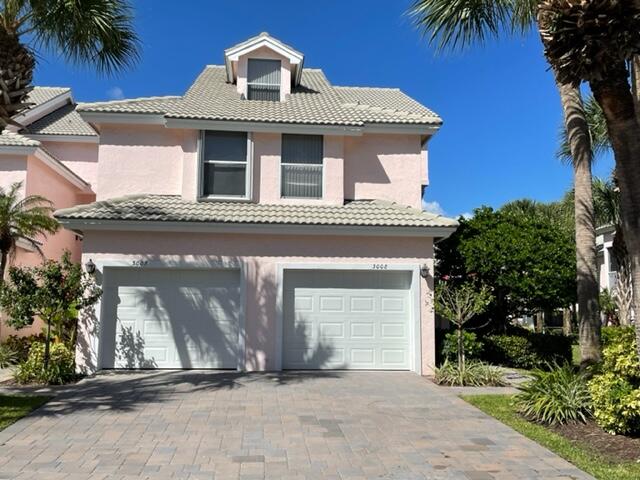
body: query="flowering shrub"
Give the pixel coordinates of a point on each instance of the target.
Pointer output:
(61, 368)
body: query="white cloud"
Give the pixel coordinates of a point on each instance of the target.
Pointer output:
(115, 93)
(466, 215)
(432, 207)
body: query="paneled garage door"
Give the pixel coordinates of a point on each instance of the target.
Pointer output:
(346, 319)
(170, 318)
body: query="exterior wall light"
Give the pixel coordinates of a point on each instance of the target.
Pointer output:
(90, 267)
(424, 270)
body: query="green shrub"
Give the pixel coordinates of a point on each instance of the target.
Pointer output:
(475, 374)
(21, 345)
(8, 356)
(557, 396)
(61, 367)
(616, 404)
(527, 350)
(619, 354)
(615, 391)
(472, 346)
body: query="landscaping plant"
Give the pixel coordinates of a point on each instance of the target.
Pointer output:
(524, 349)
(472, 345)
(557, 395)
(59, 370)
(8, 356)
(21, 345)
(615, 391)
(49, 292)
(459, 304)
(474, 373)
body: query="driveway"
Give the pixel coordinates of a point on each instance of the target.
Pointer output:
(204, 425)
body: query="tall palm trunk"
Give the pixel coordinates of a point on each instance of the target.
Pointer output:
(16, 72)
(617, 102)
(586, 260)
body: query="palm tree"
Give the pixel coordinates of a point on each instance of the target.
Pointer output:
(593, 41)
(22, 219)
(93, 32)
(458, 23)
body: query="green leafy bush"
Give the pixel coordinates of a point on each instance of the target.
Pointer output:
(474, 374)
(615, 391)
(472, 346)
(527, 350)
(616, 404)
(61, 368)
(21, 345)
(8, 356)
(557, 396)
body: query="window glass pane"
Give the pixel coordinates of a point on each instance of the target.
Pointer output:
(302, 181)
(227, 146)
(302, 149)
(224, 179)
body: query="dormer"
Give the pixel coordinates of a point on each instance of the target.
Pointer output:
(263, 68)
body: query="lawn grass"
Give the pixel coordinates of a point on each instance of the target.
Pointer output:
(501, 407)
(14, 407)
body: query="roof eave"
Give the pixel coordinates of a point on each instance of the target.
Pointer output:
(83, 225)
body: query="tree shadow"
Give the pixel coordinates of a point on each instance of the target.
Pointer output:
(130, 350)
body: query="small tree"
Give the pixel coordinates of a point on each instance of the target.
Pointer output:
(459, 304)
(50, 291)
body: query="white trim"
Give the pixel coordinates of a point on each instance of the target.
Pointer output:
(197, 264)
(264, 229)
(124, 118)
(401, 128)
(266, 127)
(415, 361)
(35, 113)
(43, 137)
(62, 170)
(23, 244)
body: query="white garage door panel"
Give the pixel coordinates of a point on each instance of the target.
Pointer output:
(171, 318)
(346, 319)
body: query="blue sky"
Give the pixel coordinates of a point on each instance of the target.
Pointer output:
(499, 104)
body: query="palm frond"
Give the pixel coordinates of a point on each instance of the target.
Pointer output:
(456, 24)
(96, 32)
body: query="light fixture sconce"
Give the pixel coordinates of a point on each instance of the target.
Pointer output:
(424, 270)
(90, 267)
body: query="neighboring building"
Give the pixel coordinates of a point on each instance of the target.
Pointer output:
(607, 265)
(265, 220)
(54, 156)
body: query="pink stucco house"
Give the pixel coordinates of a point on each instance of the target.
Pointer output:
(55, 155)
(264, 220)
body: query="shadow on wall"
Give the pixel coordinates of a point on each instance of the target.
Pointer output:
(197, 314)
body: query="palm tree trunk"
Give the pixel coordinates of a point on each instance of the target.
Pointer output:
(589, 323)
(617, 102)
(4, 257)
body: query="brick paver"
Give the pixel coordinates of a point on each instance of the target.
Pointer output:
(205, 425)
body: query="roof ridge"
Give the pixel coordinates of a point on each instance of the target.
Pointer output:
(367, 87)
(125, 100)
(50, 87)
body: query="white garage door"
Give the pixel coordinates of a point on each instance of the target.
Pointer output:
(170, 318)
(346, 320)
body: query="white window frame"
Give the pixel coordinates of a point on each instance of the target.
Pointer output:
(263, 84)
(286, 164)
(248, 171)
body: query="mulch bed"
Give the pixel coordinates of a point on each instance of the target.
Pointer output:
(615, 447)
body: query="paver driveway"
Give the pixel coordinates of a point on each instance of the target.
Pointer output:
(225, 425)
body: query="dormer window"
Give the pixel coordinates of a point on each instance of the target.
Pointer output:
(263, 79)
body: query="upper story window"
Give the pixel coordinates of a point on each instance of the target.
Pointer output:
(225, 164)
(263, 79)
(301, 164)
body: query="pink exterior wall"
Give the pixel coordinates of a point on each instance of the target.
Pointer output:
(81, 158)
(13, 169)
(386, 167)
(264, 53)
(261, 257)
(135, 159)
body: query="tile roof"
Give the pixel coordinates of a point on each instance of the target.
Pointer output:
(40, 95)
(63, 121)
(172, 208)
(315, 101)
(10, 139)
